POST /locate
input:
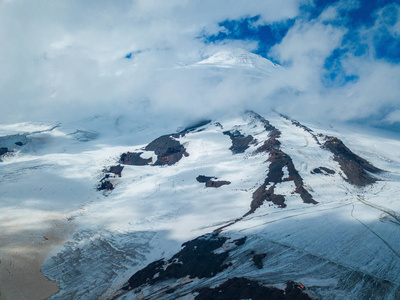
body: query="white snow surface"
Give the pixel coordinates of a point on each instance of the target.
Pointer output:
(236, 58)
(333, 247)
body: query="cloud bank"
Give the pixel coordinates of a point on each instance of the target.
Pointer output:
(65, 60)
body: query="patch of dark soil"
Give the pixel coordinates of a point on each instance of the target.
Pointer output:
(212, 183)
(323, 170)
(354, 166)
(117, 170)
(134, 159)
(168, 150)
(105, 185)
(258, 260)
(240, 288)
(3, 150)
(196, 259)
(240, 143)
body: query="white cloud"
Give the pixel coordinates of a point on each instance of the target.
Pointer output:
(66, 57)
(65, 60)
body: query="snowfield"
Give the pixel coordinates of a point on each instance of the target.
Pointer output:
(91, 242)
(62, 238)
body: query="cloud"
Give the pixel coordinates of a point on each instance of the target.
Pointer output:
(67, 60)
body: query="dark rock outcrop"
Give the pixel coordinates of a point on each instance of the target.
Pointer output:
(354, 166)
(134, 159)
(240, 288)
(195, 127)
(196, 259)
(212, 183)
(168, 150)
(279, 160)
(323, 170)
(240, 143)
(116, 170)
(3, 150)
(258, 260)
(105, 185)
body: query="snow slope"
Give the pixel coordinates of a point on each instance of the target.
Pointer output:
(89, 243)
(238, 59)
(344, 247)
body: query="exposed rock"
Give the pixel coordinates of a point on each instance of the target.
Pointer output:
(19, 144)
(239, 142)
(203, 179)
(3, 150)
(133, 158)
(241, 241)
(269, 145)
(263, 194)
(323, 170)
(212, 183)
(305, 128)
(194, 127)
(105, 185)
(242, 288)
(294, 292)
(196, 259)
(217, 184)
(352, 165)
(117, 170)
(258, 260)
(168, 150)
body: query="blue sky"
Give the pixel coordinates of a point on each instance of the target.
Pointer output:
(355, 18)
(69, 59)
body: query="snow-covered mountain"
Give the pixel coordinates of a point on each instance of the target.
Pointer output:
(249, 206)
(238, 59)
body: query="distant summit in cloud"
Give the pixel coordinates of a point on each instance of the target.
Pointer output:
(73, 60)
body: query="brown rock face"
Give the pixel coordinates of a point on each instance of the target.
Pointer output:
(168, 150)
(134, 159)
(117, 170)
(239, 142)
(354, 166)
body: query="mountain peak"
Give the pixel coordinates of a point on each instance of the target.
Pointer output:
(238, 58)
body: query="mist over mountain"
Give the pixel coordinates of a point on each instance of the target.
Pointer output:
(199, 150)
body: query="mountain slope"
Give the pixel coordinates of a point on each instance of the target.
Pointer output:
(259, 230)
